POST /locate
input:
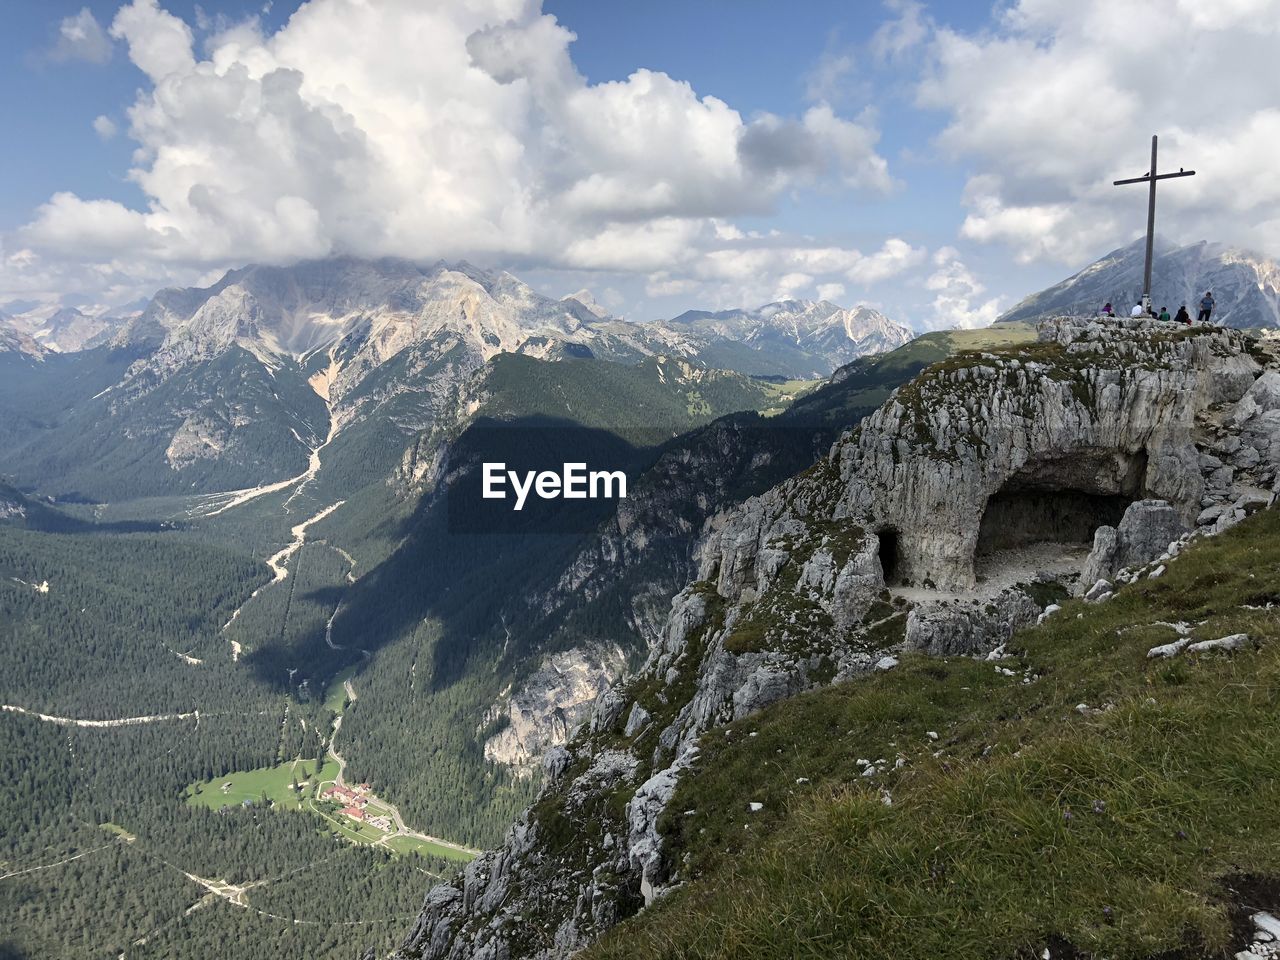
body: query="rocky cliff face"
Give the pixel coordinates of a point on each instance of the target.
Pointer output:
(1155, 429)
(1093, 415)
(549, 706)
(16, 341)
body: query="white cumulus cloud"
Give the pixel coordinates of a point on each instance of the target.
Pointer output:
(459, 129)
(958, 301)
(1061, 97)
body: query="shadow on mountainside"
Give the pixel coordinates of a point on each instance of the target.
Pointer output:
(478, 569)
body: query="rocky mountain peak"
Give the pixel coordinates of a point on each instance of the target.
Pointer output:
(1245, 285)
(61, 329)
(380, 306)
(817, 326)
(586, 299)
(13, 340)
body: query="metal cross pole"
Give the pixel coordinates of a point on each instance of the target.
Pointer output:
(1151, 177)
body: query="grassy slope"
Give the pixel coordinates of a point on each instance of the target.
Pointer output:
(276, 782)
(860, 387)
(1027, 819)
(651, 396)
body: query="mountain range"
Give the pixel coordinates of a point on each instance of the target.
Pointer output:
(61, 329)
(239, 383)
(1245, 286)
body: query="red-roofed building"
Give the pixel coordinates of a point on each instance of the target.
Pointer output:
(355, 813)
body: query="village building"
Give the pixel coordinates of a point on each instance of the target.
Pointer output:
(340, 794)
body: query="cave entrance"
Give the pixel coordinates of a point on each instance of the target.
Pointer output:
(888, 553)
(1020, 518)
(1062, 500)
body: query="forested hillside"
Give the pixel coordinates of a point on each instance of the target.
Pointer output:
(149, 650)
(115, 638)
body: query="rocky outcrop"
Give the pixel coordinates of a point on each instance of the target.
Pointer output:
(1145, 532)
(549, 706)
(199, 437)
(873, 551)
(969, 627)
(1100, 411)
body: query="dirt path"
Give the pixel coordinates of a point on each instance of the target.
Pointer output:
(328, 629)
(58, 863)
(122, 722)
(280, 572)
(351, 574)
(231, 892)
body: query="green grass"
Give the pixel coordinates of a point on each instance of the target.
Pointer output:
(276, 782)
(335, 694)
(1112, 828)
(414, 845)
(782, 395)
(344, 826)
(119, 831)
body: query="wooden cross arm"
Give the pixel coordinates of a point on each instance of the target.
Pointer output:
(1148, 177)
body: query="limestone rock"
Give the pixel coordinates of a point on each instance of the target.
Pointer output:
(636, 721)
(1236, 641)
(974, 628)
(1168, 649)
(550, 705)
(1099, 591)
(1110, 412)
(1144, 534)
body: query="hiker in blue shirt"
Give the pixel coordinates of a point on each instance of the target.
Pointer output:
(1206, 308)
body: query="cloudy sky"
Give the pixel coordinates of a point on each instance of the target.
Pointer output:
(939, 161)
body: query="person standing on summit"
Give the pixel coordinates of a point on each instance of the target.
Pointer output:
(1206, 308)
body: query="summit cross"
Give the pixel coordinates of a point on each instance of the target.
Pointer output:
(1151, 177)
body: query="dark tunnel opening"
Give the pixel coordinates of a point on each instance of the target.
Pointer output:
(1018, 518)
(1062, 499)
(888, 553)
